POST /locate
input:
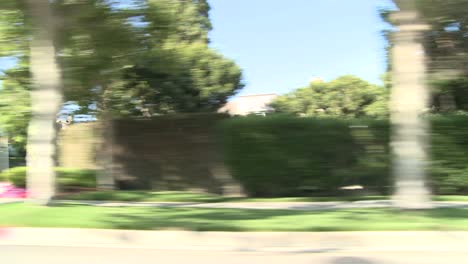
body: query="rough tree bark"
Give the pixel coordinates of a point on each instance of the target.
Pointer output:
(45, 103)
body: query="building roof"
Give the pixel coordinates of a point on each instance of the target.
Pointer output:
(246, 104)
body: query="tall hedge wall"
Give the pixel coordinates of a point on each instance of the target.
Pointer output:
(282, 155)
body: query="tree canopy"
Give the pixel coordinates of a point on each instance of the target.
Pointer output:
(446, 48)
(127, 57)
(346, 96)
(152, 55)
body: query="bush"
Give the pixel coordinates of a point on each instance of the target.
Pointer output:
(16, 175)
(67, 178)
(284, 156)
(3, 177)
(291, 156)
(449, 154)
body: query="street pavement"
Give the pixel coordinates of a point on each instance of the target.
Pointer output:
(307, 206)
(90, 255)
(65, 245)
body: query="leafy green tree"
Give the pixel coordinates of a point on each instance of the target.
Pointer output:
(15, 106)
(174, 70)
(446, 49)
(149, 56)
(346, 96)
(14, 91)
(446, 42)
(183, 78)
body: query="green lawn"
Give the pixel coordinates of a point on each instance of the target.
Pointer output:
(201, 219)
(147, 196)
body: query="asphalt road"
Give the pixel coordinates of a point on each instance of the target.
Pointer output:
(85, 255)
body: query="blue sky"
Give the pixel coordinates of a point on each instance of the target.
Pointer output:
(282, 44)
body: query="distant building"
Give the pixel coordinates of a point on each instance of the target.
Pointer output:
(249, 104)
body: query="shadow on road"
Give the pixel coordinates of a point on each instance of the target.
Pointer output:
(351, 260)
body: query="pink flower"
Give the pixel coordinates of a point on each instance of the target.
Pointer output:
(8, 190)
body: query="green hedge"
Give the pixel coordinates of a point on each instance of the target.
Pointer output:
(290, 156)
(67, 178)
(449, 155)
(283, 156)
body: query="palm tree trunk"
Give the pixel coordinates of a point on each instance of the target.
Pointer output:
(45, 103)
(409, 100)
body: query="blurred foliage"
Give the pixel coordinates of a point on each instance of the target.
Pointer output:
(446, 48)
(149, 57)
(449, 154)
(450, 95)
(67, 178)
(14, 89)
(346, 96)
(233, 220)
(14, 106)
(129, 58)
(178, 78)
(446, 41)
(286, 156)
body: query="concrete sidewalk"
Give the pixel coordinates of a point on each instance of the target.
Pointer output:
(293, 242)
(307, 206)
(310, 206)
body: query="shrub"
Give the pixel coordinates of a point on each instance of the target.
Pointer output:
(449, 154)
(67, 178)
(284, 156)
(16, 175)
(291, 156)
(3, 177)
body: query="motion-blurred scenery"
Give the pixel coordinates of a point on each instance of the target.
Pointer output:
(143, 124)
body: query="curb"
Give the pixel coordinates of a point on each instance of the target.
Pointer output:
(305, 206)
(301, 206)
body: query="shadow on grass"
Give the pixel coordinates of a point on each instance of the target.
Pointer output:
(208, 219)
(230, 219)
(143, 196)
(448, 213)
(192, 219)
